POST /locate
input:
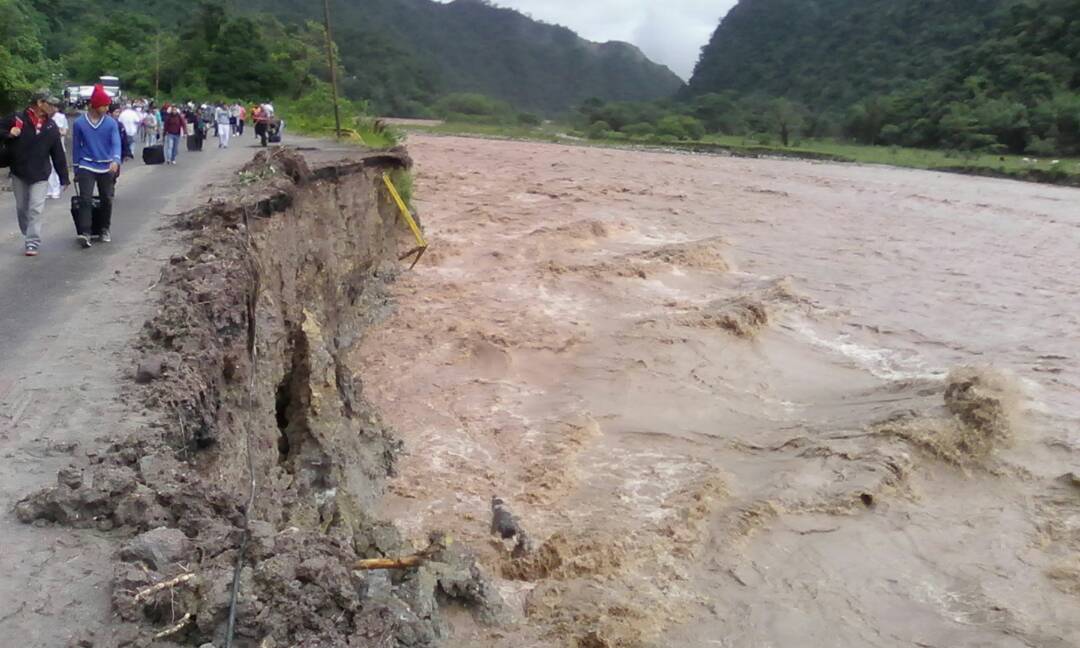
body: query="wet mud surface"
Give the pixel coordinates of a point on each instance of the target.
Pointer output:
(739, 403)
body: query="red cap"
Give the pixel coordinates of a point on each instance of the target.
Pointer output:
(100, 97)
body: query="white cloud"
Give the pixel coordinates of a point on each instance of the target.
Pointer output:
(671, 32)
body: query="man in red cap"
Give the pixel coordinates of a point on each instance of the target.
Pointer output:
(96, 152)
(33, 149)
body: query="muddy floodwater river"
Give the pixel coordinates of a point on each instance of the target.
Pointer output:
(741, 402)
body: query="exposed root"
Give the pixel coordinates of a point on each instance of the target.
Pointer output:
(164, 585)
(177, 627)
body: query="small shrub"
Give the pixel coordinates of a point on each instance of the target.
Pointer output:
(641, 129)
(692, 127)
(671, 127)
(474, 108)
(1040, 146)
(891, 134)
(597, 130)
(528, 119)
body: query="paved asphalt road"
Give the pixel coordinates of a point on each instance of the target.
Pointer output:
(67, 319)
(34, 291)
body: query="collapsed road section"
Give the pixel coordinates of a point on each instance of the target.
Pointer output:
(246, 510)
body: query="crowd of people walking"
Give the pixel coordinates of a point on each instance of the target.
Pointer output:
(33, 146)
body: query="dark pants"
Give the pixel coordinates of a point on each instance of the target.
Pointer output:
(106, 183)
(240, 127)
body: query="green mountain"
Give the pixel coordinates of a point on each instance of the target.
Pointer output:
(399, 54)
(474, 46)
(978, 74)
(832, 53)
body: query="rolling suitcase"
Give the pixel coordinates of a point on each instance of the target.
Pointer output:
(153, 154)
(95, 227)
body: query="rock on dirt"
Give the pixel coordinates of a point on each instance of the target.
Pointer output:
(150, 369)
(157, 548)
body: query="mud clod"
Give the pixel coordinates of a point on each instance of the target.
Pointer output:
(81, 506)
(158, 548)
(150, 369)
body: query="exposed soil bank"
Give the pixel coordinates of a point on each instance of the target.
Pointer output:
(244, 367)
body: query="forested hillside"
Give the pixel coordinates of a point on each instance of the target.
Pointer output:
(978, 74)
(831, 53)
(399, 54)
(472, 46)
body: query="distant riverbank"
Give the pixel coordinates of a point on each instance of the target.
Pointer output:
(1043, 170)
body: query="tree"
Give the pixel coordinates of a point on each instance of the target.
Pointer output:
(240, 63)
(1007, 121)
(866, 119)
(718, 112)
(787, 117)
(23, 66)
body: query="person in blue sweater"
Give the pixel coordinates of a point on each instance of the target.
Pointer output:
(95, 153)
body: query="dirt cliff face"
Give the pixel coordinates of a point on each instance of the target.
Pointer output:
(244, 363)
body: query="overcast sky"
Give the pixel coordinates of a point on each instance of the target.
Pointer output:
(668, 31)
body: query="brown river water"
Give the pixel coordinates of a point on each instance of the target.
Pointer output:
(742, 402)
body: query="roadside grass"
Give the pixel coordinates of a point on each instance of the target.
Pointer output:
(313, 115)
(403, 182)
(1048, 170)
(359, 129)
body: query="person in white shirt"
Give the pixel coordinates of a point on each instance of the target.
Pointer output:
(61, 121)
(139, 130)
(224, 129)
(130, 121)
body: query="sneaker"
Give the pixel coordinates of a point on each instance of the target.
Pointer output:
(31, 250)
(84, 240)
(106, 236)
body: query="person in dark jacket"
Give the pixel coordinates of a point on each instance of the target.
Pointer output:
(35, 150)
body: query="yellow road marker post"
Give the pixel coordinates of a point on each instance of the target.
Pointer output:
(421, 244)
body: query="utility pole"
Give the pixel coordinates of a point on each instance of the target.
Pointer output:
(333, 68)
(157, 65)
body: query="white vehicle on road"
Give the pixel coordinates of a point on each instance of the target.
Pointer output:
(112, 86)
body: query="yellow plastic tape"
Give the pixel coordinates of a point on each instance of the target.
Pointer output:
(421, 244)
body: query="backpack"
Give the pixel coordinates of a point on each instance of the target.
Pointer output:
(7, 145)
